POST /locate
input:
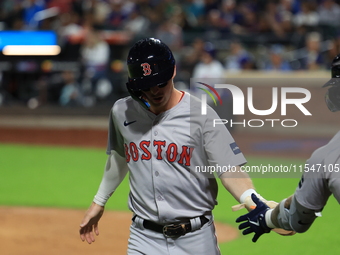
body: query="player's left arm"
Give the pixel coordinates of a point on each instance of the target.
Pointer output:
(115, 170)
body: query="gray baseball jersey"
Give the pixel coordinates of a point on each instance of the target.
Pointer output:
(321, 177)
(166, 155)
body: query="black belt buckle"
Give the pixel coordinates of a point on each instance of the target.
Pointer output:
(174, 230)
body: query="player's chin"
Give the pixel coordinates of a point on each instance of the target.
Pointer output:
(157, 100)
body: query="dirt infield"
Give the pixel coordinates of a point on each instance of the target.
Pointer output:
(42, 231)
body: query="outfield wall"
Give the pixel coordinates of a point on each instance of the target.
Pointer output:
(321, 123)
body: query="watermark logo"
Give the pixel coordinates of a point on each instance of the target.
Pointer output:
(204, 97)
(240, 101)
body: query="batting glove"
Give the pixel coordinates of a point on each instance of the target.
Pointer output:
(255, 220)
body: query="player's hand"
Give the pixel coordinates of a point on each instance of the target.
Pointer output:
(89, 223)
(255, 221)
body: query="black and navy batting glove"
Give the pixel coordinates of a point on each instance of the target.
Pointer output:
(255, 220)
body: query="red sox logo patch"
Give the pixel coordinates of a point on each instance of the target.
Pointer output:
(146, 69)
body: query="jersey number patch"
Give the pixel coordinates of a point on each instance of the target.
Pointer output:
(146, 69)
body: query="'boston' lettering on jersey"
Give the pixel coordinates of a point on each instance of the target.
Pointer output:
(132, 152)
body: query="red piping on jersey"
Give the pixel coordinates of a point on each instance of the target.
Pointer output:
(181, 96)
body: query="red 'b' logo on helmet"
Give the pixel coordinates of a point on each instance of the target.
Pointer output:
(146, 69)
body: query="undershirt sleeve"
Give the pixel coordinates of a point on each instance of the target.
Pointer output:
(115, 170)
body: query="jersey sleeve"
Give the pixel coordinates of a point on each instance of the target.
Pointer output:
(321, 176)
(313, 191)
(333, 176)
(115, 139)
(221, 148)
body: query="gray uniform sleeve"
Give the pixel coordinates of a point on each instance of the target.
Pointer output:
(321, 176)
(334, 186)
(116, 167)
(220, 146)
(320, 180)
(115, 140)
(313, 191)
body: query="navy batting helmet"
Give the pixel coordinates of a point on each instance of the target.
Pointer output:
(150, 63)
(332, 96)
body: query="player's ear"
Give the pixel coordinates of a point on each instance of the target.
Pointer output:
(173, 76)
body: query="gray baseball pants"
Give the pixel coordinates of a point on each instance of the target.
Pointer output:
(148, 242)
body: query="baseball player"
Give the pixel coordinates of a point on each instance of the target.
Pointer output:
(321, 179)
(156, 136)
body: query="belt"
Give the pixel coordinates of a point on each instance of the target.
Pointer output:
(172, 230)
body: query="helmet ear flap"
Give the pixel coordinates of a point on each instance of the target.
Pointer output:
(137, 95)
(332, 98)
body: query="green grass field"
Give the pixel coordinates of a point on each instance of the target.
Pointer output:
(69, 177)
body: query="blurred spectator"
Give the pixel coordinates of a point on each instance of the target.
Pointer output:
(209, 66)
(179, 18)
(78, 7)
(62, 5)
(331, 52)
(211, 5)
(70, 93)
(137, 24)
(216, 26)
(166, 7)
(171, 34)
(239, 58)
(120, 11)
(190, 56)
(279, 19)
(329, 12)
(247, 20)
(307, 17)
(194, 11)
(69, 26)
(312, 58)
(11, 13)
(95, 55)
(101, 10)
(209, 69)
(276, 60)
(229, 13)
(31, 8)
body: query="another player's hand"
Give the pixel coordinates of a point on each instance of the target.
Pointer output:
(255, 221)
(89, 223)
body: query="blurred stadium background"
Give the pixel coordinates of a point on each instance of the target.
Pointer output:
(93, 37)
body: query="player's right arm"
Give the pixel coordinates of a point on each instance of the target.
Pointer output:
(115, 170)
(289, 214)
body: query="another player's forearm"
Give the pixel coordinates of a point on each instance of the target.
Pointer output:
(115, 171)
(291, 215)
(276, 211)
(236, 183)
